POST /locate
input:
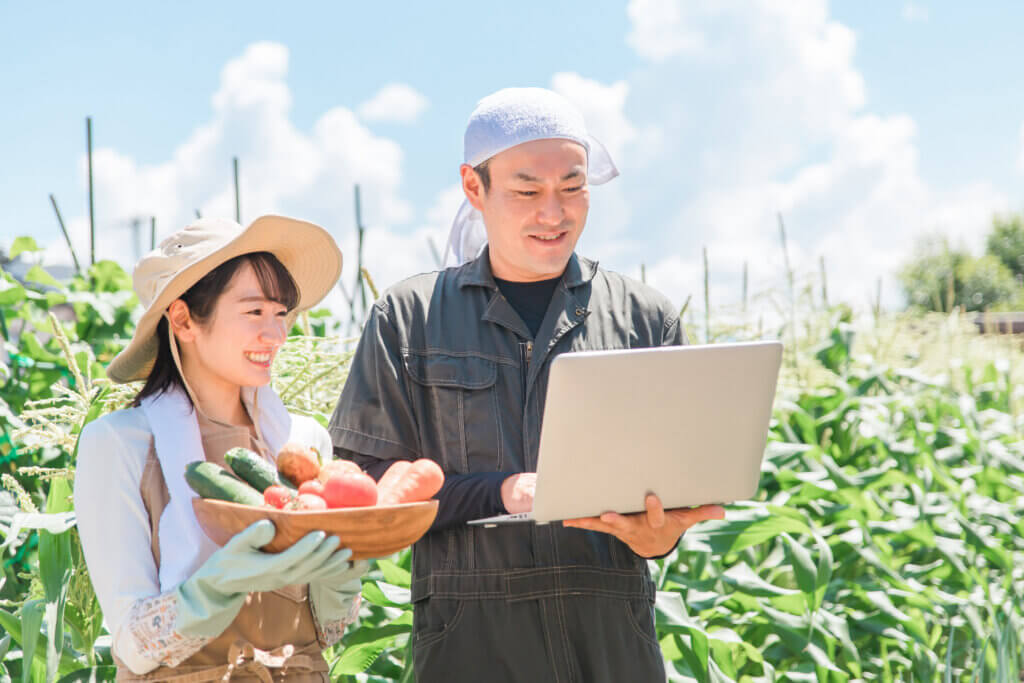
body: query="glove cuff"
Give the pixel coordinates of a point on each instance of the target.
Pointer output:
(203, 611)
(331, 627)
(151, 626)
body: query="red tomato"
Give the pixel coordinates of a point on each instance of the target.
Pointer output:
(332, 466)
(310, 501)
(350, 489)
(278, 496)
(313, 486)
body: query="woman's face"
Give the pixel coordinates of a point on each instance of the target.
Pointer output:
(238, 343)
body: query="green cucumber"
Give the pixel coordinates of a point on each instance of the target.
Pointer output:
(210, 480)
(253, 469)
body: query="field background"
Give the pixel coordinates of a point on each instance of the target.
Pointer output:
(886, 543)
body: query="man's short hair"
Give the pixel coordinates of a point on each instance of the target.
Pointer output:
(484, 171)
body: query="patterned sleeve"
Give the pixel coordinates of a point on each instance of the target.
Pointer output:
(331, 632)
(150, 624)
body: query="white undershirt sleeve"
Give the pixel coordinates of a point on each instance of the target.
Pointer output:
(116, 540)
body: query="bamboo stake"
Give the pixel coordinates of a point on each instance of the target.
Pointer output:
(791, 280)
(437, 254)
(707, 300)
(67, 238)
(824, 281)
(136, 225)
(950, 293)
(878, 299)
(785, 257)
(359, 253)
(238, 203)
(92, 216)
(936, 301)
(745, 281)
(350, 299)
(686, 304)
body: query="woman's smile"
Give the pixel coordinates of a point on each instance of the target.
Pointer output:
(263, 358)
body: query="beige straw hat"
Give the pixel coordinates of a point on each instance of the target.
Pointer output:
(164, 274)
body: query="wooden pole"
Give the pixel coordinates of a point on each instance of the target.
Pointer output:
(92, 215)
(67, 238)
(745, 282)
(785, 256)
(791, 279)
(824, 281)
(436, 254)
(878, 300)
(359, 252)
(238, 203)
(707, 300)
(136, 224)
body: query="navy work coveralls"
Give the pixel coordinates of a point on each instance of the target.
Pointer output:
(447, 370)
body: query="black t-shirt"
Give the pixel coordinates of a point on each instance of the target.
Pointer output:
(529, 299)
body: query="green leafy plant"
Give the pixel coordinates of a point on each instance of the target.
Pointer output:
(885, 543)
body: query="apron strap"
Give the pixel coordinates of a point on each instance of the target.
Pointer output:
(244, 657)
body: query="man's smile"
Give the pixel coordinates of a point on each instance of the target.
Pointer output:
(551, 237)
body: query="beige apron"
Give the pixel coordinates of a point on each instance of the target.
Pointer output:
(274, 637)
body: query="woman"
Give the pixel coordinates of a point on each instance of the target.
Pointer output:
(219, 300)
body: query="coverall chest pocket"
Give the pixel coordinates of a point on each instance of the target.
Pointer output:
(457, 403)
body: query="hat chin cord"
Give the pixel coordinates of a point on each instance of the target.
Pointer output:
(177, 363)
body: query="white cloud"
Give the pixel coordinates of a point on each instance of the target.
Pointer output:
(914, 12)
(394, 103)
(760, 110)
(309, 174)
(660, 30)
(601, 106)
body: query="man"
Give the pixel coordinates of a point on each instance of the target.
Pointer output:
(453, 366)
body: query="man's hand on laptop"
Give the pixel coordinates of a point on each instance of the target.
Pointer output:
(651, 533)
(517, 492)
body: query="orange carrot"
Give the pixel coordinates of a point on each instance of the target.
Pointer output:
(386, 485)
(420, 481)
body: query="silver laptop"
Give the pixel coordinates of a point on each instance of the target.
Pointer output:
(688, 423)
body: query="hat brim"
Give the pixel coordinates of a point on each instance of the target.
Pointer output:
(307, 251)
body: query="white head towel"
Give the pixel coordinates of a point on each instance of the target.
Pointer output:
(183, 545)
(508, 118)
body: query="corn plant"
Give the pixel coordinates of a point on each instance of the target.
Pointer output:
(885, 543)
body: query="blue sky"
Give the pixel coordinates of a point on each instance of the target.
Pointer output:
(865, 124)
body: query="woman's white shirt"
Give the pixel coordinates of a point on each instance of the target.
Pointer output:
(113, 521)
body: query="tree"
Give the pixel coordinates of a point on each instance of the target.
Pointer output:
(929, 278)
(1006, 242)
(940, 278)
(986, 283)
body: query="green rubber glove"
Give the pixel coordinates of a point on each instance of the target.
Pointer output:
(333, 596)
(209, 600)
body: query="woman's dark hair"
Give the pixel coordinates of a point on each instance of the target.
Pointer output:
(201, 298)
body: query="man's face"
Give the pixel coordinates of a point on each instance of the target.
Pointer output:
(535, 209)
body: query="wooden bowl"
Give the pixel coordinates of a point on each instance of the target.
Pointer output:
(375, 531)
